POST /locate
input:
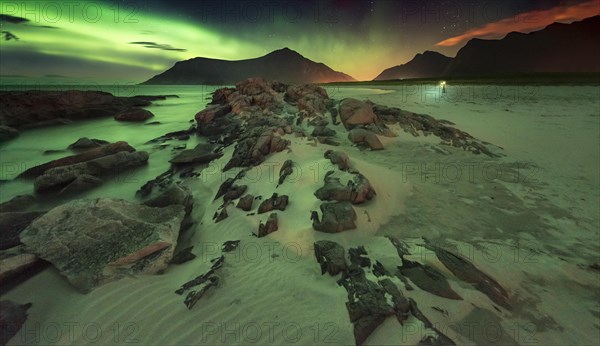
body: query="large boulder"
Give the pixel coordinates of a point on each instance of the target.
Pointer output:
(365, 137)
(85, 175)
(354, 112)
(96, 241)
(136, 114)
(85, 156)
(358, 190)
(337, 217)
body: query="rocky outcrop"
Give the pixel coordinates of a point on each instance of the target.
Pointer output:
(331, 256)
(136, 115)
(85, 175)
(183, 256)
(354, 112)
(286, 169)
(338, 158)
(73, 159)
(201, 154)
(467, 272)
(85, 143)
(274, 202)
(18, 203)
(25, 109)
(417, 124)
(365, 138)
(12, 317)
(309, 98)
(245, 203)
(207, 280)
(11, 225)
(253, 149)
(337, 217)
(268, 227)
(428, 279)
(234, 192)
(175, 195)
(368, 305)
(96, 241)
(357, 191)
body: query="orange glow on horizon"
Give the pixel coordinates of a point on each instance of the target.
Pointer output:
(527, 22)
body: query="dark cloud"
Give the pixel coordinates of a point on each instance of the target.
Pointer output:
(12, 19)
(7, 35)
(5, 18)
(160, 46)
(43, 26)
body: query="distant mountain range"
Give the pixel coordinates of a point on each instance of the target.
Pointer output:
(558, 48)
(427, 64)
(284, 65)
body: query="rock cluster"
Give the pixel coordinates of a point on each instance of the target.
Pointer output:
(25, 109)
(416, 124)
(370, 303)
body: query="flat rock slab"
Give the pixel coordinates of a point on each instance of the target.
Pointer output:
(73, 159)
(202, 153)
(95, 241)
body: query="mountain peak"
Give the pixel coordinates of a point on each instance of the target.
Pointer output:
(285, 51)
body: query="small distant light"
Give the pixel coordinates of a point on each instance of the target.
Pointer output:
(443, 83)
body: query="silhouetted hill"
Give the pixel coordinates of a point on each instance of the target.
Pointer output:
(558, 48)
(565, 48)
(284, 65)
(425, 65)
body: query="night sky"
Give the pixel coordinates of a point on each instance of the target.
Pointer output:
(130, 41)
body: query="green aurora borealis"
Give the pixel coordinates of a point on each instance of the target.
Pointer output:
(132, 41)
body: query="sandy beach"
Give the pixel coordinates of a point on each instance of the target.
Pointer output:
(528, 218)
